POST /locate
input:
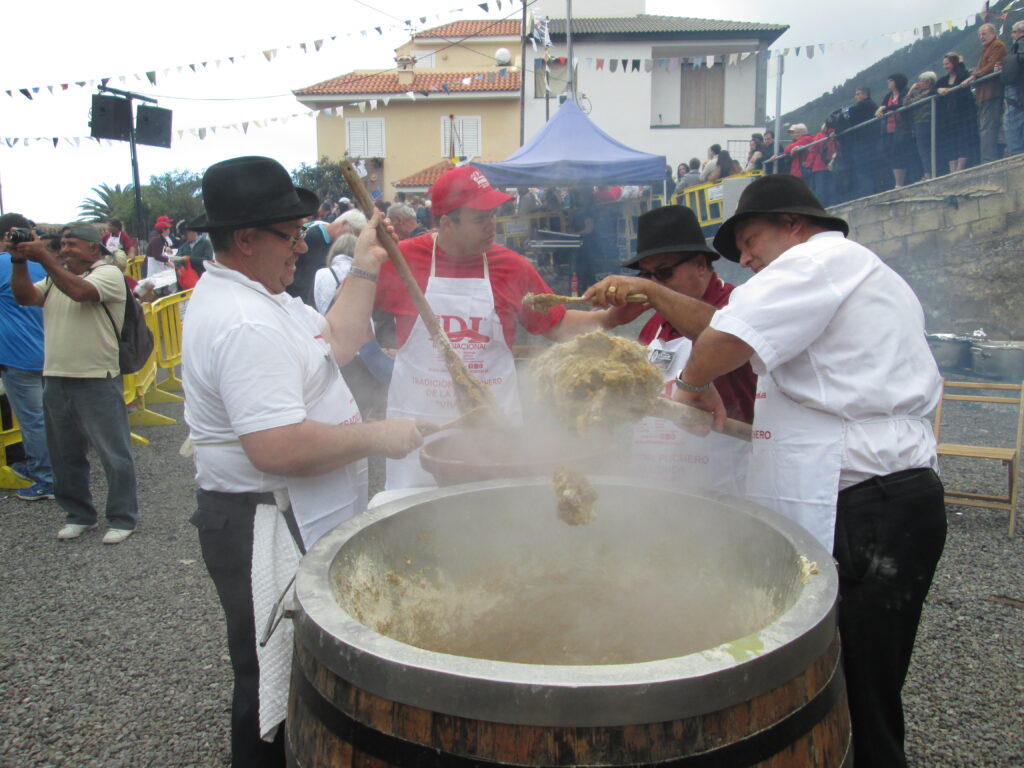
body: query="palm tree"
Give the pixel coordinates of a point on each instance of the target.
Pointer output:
(108, 203)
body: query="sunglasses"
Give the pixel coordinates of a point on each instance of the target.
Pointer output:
(664, 272)
(293, 240)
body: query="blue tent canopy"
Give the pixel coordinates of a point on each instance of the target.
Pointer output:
(570, 150)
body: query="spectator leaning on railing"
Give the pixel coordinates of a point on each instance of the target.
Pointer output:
(921, 119)
(957, 129)
(897, 140)
(989, 94)
(1011, 74)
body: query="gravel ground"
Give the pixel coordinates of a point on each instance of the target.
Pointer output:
(115, 656)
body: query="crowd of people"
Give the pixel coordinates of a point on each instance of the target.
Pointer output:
(870, 146)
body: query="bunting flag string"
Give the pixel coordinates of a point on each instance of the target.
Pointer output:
(270, 55)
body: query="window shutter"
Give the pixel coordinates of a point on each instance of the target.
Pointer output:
(468, 139)
(365, 137)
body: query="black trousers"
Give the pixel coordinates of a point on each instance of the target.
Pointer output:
(890, 532)
(225, 523)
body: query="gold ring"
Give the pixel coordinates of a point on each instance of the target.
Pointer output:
(611, 289)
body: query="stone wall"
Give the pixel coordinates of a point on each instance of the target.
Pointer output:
(959, 241)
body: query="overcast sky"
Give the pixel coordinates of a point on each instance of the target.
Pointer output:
(123, 38)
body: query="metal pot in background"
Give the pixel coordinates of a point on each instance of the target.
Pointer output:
(951, 352)
(999, 360)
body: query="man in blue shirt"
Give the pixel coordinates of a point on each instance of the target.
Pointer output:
(21, 366)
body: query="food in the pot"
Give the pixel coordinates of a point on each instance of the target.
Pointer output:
(574, 495)
(542, 302)
(808, 568)
(597, 379)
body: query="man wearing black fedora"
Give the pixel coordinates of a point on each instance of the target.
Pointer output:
(842, 443)
(279, 447)
(675, 264)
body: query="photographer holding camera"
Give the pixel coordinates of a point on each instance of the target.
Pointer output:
(82, 390)
(21, 366)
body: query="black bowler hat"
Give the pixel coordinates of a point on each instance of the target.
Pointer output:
(778, 193)
(669, 229)
(247, 191)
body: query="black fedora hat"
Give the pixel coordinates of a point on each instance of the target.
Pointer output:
(669, 229)
(778, 193)
(246, 191)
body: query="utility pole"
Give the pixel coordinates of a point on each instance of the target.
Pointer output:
(522, 80)
(139, 223)
(570, 81)
(778, 105)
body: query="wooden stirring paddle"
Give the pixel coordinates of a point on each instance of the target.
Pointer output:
(542, 302)
(690, 416)
(470, 392)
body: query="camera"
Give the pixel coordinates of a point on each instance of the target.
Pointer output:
(17, 235)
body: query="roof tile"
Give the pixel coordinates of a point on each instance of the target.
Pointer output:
(647, 24)
(366, 83)
(474, 28)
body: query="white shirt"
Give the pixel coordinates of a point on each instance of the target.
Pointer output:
(324, 284)
(247, 366)
(841, 332)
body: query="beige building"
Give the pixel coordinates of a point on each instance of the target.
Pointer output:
(447, 97)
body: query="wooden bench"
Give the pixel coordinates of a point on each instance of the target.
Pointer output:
(1010, 457)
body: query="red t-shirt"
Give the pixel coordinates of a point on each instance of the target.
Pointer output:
(127, 241)
(512, 277)
(737, 388)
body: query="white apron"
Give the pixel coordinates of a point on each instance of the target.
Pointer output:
(420, 384)
(155, 266)
(797, 457)
(664, 452)
(319, 504)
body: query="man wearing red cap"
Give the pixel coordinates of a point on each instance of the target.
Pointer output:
(476, 289)
(159, 249)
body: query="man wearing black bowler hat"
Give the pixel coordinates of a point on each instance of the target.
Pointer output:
(842, 443)
(675, 263)
(279, 446)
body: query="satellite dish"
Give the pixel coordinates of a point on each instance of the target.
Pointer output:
(503, 57)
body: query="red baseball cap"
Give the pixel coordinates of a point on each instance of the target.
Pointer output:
(163, 222)
(464, 187)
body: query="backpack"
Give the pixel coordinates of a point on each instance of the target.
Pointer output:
(135, 342)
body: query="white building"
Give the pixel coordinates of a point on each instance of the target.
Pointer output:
(662, 84)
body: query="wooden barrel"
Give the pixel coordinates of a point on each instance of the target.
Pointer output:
(803, 722)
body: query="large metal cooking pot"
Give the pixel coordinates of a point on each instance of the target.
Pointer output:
(470, 455)
(999, 360)
(951, 352)
(473, 610)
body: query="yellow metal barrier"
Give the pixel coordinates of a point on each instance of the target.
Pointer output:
(142, 385)
(706, 200)
(167, 316)
(10, 434)
(134, 268)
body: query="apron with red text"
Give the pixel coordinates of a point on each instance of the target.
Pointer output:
(421, 387)
(664, 452)
(796, 460)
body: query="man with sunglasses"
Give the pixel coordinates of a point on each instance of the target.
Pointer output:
(675, 265)
(280, 448)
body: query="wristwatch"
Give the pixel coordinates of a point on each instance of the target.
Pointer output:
(691, 387)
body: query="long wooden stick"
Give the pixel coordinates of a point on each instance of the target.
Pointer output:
(689, 415)
(470, 392)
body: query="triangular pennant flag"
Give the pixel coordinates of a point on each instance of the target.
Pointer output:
(445, 88)
(821, 47)
(710, 60)
(362, 106)
(411, 95)
(379, 31)
(733, 59)
(50, 89)
(269, 55)
(926, 31)
(54, 142)
(937, 29)
(600, 64)
(318, 44)
(78, 142)
(63, 87)
(613, 65)
(80, 83)
(625, 64)
(26, 93)
(213, 129)
(796, 51)
(373, 104)
(484, 6)
(192, 67)
(810, 51)
(502, 72)
(698, 61)
(636, 65)
(151, 76)
(673, 63)
(180, 133)
(202, 133)
(303, 47)
(467, 80)
(492, 77)
(386, 99)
